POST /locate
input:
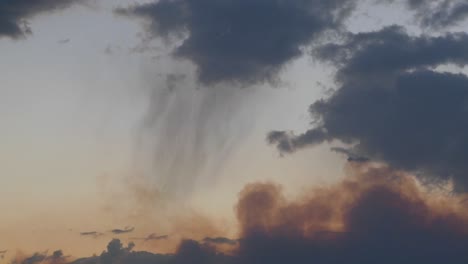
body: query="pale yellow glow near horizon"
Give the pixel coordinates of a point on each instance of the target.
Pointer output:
(31, 225)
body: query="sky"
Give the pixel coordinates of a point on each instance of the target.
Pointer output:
(201, 130)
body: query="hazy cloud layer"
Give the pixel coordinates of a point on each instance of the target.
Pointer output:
(14, 14)
(392, 105)
(242, 41)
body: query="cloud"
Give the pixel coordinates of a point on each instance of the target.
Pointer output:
(93, 234)
(439, 14)
(115, 251)
(288, 142)
(220, 241)
(375, 215)
(393, 106)
(241, 41)
(57, 257)
(14, 14)
(352, 156)
(63, 41)
(152, 236)
(189, 134)
(122, 231)
(36, 258)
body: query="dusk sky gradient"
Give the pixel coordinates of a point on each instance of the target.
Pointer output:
(177, 118)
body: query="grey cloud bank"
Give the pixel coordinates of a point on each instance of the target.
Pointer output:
(392, 104)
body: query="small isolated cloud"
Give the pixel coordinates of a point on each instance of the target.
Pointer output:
(122, 231)
(63, 41)
(93, 234)
(152, 236)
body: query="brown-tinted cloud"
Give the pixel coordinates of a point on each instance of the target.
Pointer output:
(375, 215)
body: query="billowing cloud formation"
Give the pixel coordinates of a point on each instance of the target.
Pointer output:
(14, 14)
(376, 215)
(242, 41)
(393, 105)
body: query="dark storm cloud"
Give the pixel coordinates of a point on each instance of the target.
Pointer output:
(391, 50)
(14, 14)
(437, 14)
(442, 14)
(233, 42)
(393, 106)
(242, 41)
